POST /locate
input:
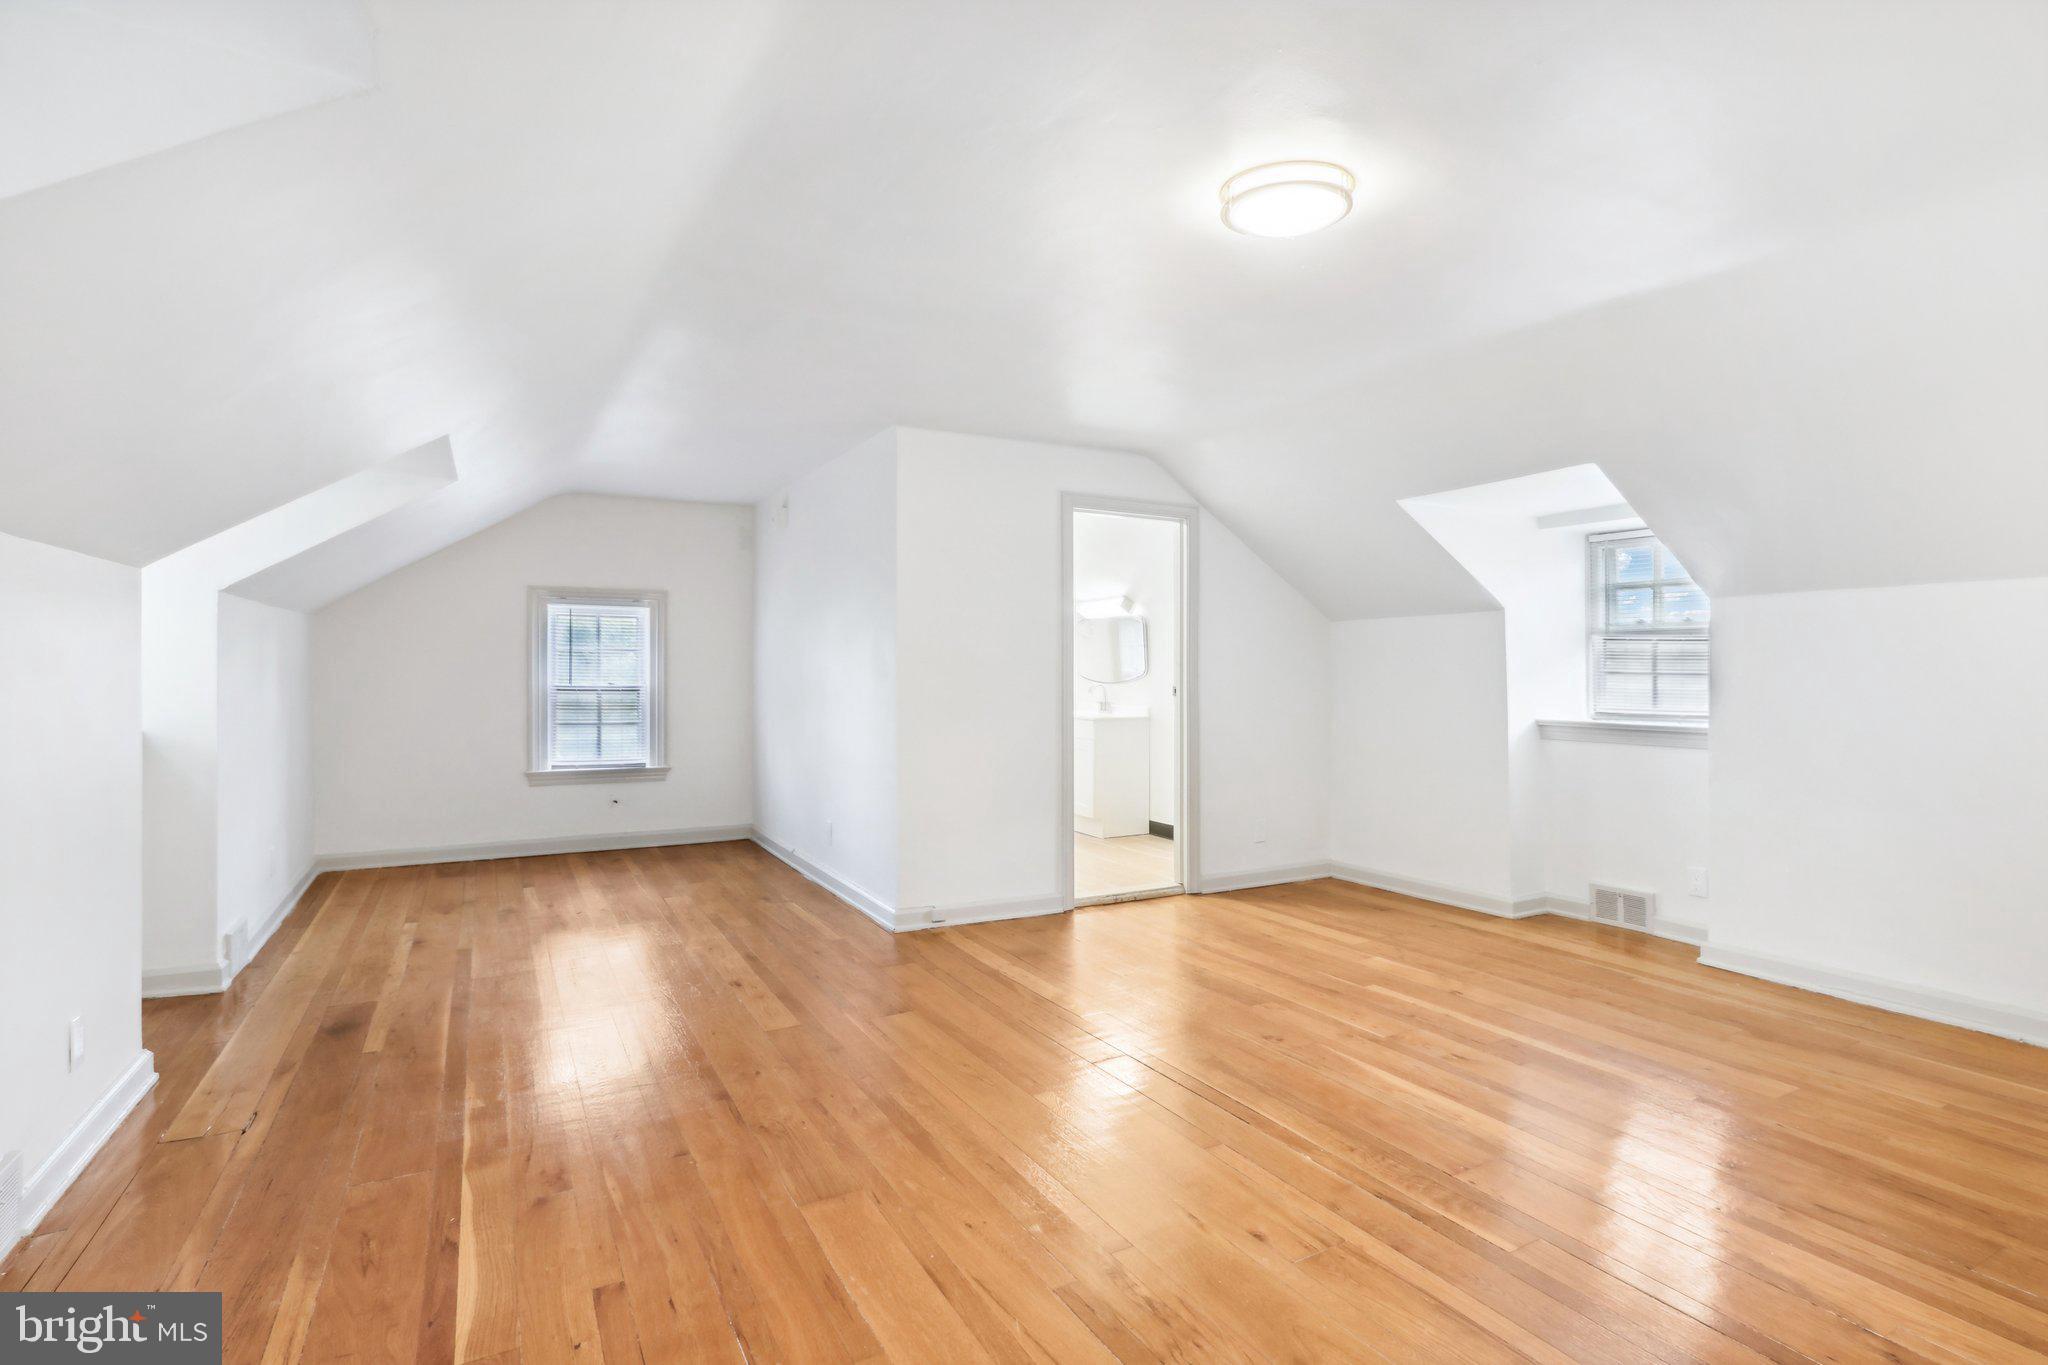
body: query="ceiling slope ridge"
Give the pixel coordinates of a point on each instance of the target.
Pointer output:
(236, 553)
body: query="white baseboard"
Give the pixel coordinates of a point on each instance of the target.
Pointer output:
(910, 918)
(1662, 926)
(530, 848)
(1263, 876)
(988, 912)
(873, 907)
(1942, 1007)
(82, 1143)
(1520, 907)
(162, 983)
(1679, 931)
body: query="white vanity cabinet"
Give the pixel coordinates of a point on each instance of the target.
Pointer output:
(1112, 774)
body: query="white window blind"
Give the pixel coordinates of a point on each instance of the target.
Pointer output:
(1647, 624)
(596, 674)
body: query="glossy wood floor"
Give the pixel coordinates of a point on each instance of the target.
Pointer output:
(680, 1105)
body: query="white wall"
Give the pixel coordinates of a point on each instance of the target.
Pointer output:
(180, 715)
(264, 778)
(1880, 786)
(1419, 784)
(1265, 712)
(1628, 815)
(187, 910)
(979, 625)
(70, 840)
(1139, 558)
(982, 700)
(420, 682)
(825, 671)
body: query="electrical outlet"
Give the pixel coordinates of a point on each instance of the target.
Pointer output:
(1696, 881)
(1258, 834)
(828, 833)
(77, 1042)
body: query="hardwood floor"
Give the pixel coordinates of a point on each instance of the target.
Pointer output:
(1115, 867)
(680, 1105)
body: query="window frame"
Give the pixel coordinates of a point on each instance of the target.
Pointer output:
(540, 768)
(1598, 593)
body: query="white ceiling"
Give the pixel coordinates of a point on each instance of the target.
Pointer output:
(91, 83)
(1777, 267)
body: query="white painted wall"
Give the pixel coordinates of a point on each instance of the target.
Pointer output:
(264, 781)
(185, 915)
(70, 840)
(1419, 783)
(1627, 815)
(180, 715)
(420, 682)
(1880, 785)
(825, 671)
(979, 629)
(1139, 558)
(979, 625)
(1265, 714)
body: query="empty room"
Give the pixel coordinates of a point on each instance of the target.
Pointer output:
(1023, 680)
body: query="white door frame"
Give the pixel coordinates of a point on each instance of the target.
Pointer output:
(1185, 849)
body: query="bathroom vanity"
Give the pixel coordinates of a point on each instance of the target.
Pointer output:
(1112, 773)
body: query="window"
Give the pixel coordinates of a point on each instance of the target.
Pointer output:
(597, 690)
(1647, 623)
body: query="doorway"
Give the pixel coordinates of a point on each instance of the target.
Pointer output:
(1125, 815)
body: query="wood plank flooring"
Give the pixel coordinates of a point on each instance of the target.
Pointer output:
(1116, 867)
(680, 1105)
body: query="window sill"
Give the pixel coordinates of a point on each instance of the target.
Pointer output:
(548, 777)
(1663, 733)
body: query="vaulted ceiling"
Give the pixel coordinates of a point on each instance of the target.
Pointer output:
(1777, 267)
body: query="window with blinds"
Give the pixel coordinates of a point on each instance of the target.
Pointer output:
(596, 689)
(1647, 624)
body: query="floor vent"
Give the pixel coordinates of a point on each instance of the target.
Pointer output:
(1618, 905)
(10, 1200)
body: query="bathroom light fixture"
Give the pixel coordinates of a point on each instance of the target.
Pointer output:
(1286, 198)
(1104, 608)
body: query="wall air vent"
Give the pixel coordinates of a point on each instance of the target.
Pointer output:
(1619, 905)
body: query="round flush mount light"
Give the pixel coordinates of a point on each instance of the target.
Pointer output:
(1287, 198)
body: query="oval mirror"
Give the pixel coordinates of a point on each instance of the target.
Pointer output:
(1110, 649)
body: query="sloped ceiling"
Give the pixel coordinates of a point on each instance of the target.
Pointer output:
(86, 84)
(1778, 268)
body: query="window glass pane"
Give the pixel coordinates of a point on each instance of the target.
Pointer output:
(619, 650)
(582, 649)
(1657, 665)
(1682, 692)
(1628, 656)
(575, 708)
(1630, 563)
(593, 725)
(575, 744)
(1627, 691)
(597, 668)
(1631, 606)
(1681, 656)
(1685, 605)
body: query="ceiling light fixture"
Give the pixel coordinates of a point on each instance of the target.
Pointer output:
(1287, 198)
